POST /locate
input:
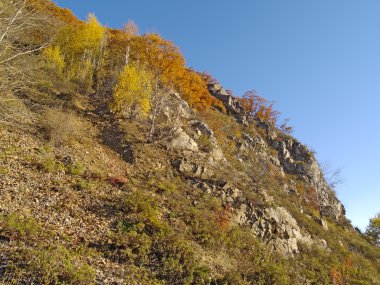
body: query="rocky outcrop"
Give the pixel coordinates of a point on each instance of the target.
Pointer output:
(272, 224)
(231, 103)
(176, 107)
(277, 227)
(296, 159)
(202, 128)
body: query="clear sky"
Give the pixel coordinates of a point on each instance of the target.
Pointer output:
(319, 60)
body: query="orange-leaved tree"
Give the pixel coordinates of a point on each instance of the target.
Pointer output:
(194, 90)
(259, 107)
(167, 65)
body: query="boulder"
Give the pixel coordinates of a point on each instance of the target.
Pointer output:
(216, 153)
(192, 170)
(323, 223)
(202, 127)
(182, 141)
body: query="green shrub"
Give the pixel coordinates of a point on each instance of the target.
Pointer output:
(3, 170)
(143, 208)
(48, 164)
(82, 184)
(205, 143)
(49, 265)
(19, 226)
(76, 168)
(167, 187)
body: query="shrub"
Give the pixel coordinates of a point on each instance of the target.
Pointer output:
(76, 168)
(48, 265)
(167, 187)
(205, 143)
(59, 127)
(19, 226)
(143, 208)
(48, 164)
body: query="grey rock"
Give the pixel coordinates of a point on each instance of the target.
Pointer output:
(182, 141)
(276, 226)
(202, 127)
(231, 103)
(192, 170)
(216, 153)
(323, 223)
(296, 159)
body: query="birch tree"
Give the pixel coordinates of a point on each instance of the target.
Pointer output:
(22, 40)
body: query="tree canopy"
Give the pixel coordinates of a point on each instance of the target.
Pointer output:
(373, 230)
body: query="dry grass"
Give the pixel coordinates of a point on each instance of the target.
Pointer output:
(60, 127)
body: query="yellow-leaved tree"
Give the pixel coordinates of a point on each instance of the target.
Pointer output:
(132, 93)
(81, 46)
(54, 58)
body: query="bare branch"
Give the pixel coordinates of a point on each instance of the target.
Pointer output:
(25, 53)
(12, 21)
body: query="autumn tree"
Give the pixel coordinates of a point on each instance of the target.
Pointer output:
(168, 67)
(207, 77)
(194, 90)
(373, 230)
(21, 44)
(82, 48)
(259, 107)
(130, 28)
(285, 127)
(132, 94)
(162, 57)
(54, 59)
(20, 39)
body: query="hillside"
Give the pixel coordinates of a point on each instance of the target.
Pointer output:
(120, 165)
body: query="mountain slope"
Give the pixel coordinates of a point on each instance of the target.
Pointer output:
(196, 190)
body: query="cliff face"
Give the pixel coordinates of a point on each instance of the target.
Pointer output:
(294, 158)
(270, 222)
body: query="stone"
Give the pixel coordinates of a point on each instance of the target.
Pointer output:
(192, 170)
(291, 188)
(231, 103)
(182, 141)
(323, 223)
(274, 225)
(202, 127)
(216, 154)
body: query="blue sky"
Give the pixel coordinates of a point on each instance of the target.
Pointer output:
(319, 60)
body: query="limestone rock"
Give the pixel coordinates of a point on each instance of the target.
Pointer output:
(216, 153)
(296, 159)
(276, 226)
(182, 141)
(323, 223)
(202, 127)
(192, 170)
(231, 103)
